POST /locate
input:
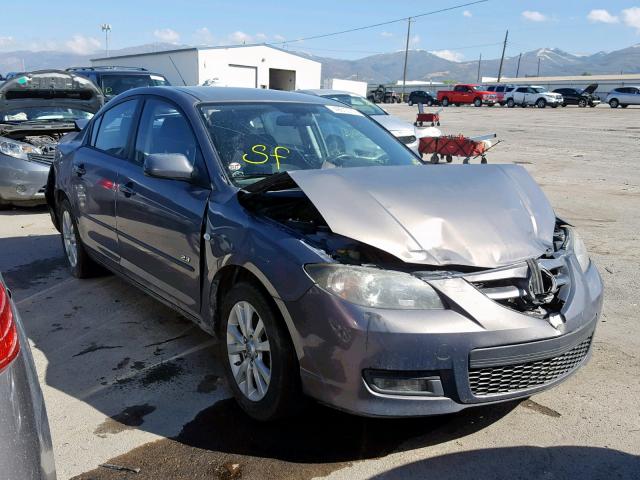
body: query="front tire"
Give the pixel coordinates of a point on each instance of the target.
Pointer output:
(582, 103)
(541, 103)
(259, 358)
(410, 103)
(81, 265)
(477, 102)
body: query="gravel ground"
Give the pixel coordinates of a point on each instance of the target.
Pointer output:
(130, 383)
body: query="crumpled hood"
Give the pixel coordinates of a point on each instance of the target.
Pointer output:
(392, 123)
(474, 215)
(50, 88)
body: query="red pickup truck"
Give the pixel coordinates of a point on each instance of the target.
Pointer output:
(468, 94)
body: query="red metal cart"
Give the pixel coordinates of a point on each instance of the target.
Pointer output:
(448, 146)
(424, 117)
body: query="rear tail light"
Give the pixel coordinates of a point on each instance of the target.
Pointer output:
(9, 346)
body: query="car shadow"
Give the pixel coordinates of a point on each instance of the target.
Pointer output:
(522, 462)
(13, 210)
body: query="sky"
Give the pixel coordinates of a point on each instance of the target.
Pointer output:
(577, 26)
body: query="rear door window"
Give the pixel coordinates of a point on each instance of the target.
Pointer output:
(115, 128)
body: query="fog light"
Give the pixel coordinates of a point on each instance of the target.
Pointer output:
(404, 383)
(21, 188)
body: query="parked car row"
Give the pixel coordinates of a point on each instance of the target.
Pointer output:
(525, 95)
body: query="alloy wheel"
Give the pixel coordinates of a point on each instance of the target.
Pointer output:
(248, 351)
(69, 238)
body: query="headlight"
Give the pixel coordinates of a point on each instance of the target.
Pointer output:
(579, 249)
(17, 149)
(371, 287)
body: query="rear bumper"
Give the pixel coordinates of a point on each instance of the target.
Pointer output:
(22, 181)
(474, 363)
(26, 451)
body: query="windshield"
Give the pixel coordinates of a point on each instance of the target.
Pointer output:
(255, 140)
(115, 84)
(43, 113)
(539, 89)
(361, 104)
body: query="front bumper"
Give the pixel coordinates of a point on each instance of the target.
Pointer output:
(467, 346)
(22, 181)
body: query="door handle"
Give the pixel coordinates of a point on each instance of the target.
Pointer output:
(79, 170)
(127, 189)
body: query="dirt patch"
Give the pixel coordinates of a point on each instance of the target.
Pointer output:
(94, 347)
(129, 418)
(209, 383)
(162, 373)
(26, 276)
(536, 407)
(222, 442)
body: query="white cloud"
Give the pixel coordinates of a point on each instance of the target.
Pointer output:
(261, 37)
(82, 45)
(602, 16)
(631, 17)
(448, 55)
(279, 38)
(387, 34)
(467, 14)
(6, 42)
(415, 40)
(203, 36)
(167, 35)
(534, 16)
(240, 37)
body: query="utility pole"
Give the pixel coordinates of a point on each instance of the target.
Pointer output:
(539, 59)
(479, 63)
(406, 54)
(106, 28)
(518, 67)
(504, 48)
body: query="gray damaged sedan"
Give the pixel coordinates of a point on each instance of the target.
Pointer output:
(328, 258)
(25, 441)
(36, 110)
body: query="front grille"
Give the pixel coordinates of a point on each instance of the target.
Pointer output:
(46, 158)
(407, 140)
(513, 378)
(512, 286)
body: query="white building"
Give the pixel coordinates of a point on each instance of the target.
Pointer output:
(256, 66)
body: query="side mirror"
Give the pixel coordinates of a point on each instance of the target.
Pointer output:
(174, 166)
(81, 123)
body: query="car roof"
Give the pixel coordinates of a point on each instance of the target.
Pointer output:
(229, 94)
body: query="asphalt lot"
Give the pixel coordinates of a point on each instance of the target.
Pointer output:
(131, 383)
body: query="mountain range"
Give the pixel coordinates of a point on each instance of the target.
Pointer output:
(387, 67)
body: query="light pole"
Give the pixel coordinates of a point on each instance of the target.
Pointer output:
(106, 28)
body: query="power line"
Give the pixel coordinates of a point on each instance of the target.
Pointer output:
(366, 27)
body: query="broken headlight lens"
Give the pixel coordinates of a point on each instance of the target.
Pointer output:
(371, 287)
(579, 249)
(17, 149)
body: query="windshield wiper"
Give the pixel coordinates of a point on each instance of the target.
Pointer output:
(254, 175)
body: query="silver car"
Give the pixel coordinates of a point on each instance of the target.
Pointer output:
(623, 97)
(25, 442)
(36, 110)
(402, 130)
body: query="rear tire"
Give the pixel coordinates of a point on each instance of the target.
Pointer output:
(410, 103)
(80, 264)
(268, 352)
(614, 103)
(429, 103)
(511, 103)
(445, 102)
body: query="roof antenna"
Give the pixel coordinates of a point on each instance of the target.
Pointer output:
(174, 66)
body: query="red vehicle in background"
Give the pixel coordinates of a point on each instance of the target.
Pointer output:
(467, 94)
